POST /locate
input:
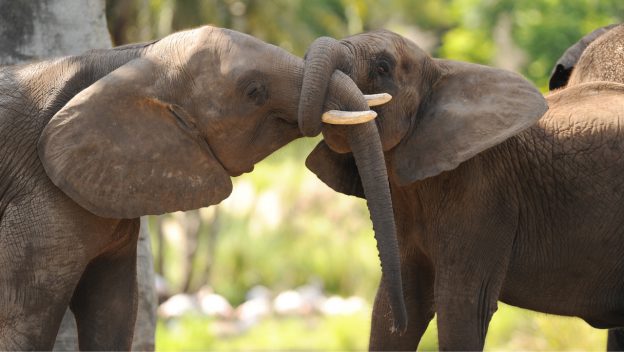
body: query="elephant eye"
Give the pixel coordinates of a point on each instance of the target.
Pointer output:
(257, 92)
(383, 67)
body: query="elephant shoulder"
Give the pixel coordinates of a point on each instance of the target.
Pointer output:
(592, 106)
(601, 96)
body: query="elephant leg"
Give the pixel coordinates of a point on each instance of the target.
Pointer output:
(418, 293)
(37, 279)
(466, 291)
(31, 307)
(615, 340)
(105, 300)
(463, 317)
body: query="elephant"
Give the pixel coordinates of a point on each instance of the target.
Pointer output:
(499, 193)
(89, 143)
(593, 58)
(596, 57)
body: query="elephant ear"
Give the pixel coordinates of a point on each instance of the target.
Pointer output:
(121, 151)
(470, 109)
(563, 68)
(338, 171)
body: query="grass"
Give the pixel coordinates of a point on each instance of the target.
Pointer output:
(512, 329)
(316, 333)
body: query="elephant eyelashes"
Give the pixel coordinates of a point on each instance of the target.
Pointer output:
(257, 92)
(382, 66)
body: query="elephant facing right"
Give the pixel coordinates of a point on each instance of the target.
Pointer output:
(495, 197)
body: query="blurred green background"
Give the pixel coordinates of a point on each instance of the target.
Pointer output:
(281, 227)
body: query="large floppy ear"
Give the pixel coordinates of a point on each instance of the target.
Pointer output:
(338, 171)
(563, 68)
(470, 108)
(121, 151)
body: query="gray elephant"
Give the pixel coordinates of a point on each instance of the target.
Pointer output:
(492, 200)
(89, 143)
(596, 57)
(562, 70)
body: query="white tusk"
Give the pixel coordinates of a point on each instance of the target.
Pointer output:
(377, 99)
(338, 117)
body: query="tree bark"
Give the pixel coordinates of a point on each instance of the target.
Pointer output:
(36, 29)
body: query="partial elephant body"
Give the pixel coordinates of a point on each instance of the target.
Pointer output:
(492, 200)
(534, 222)
(596, 57)
(46, 239)
(545, 212)
(571, 205)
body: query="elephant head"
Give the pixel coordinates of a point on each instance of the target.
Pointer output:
(566, 64)
(442, 113)
(165, 131)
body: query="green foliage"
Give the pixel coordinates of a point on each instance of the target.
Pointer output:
(463, 29)
(512, 329)
(283, 228)
(339, 333)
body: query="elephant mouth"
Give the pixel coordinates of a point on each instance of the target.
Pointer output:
(238, 172)
(233, 171)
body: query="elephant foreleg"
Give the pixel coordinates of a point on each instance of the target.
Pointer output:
(418, 293)
(37, 278)
(104, 302)
(463, 317)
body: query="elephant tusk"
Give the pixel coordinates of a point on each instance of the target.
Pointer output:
(377, 99)
(338, 117)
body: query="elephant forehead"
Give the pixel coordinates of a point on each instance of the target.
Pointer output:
(384, 40)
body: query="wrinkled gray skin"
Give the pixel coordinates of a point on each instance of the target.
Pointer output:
(599, 56)
(491, 201)
(205, 104)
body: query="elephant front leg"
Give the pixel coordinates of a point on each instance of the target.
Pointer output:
(418, 293)
(467, 286)
(105, 301)
(40, 266)
(464, 315)
(32, 302)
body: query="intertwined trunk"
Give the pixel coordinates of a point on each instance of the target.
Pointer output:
(323, 57)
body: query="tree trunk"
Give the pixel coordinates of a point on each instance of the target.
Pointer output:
(192, 227)
(37, 29)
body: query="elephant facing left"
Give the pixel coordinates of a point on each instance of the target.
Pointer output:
(89, 143)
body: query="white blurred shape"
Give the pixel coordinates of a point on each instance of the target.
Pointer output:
(290, 303)
(214, 305)
(313, 294)
(178, 305)
(258, 291)
(257, 307)
(251, 312)
(336, 305)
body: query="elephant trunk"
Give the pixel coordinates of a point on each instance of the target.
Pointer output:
(328, 55)
(367, 151)
(365, 143)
